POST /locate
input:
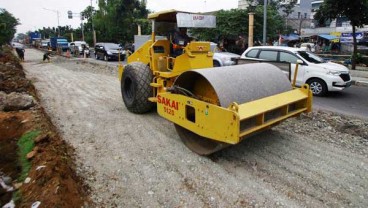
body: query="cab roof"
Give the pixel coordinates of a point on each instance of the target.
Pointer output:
(165, 16)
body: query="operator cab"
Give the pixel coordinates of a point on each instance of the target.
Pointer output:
(168, 53)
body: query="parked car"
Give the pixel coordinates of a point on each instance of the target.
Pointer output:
(222, 58)
(77, 47)
(321, 76)
(109, 51)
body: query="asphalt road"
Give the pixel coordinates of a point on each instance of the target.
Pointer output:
(352, 101)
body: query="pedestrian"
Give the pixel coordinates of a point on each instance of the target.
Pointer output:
(20, 52)
(47, 56)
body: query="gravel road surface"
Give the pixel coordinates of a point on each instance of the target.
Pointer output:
(133, 160)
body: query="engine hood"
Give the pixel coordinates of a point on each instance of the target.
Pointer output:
(226, 54)
(330, 66)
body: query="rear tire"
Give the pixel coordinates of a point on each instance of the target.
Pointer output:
(318, 87)
(136, 89)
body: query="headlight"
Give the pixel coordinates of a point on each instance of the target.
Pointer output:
(336, 73)
(109, 52)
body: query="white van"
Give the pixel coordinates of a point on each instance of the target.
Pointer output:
(321, 76)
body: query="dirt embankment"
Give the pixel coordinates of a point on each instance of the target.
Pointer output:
(53, 181)
(317, 160)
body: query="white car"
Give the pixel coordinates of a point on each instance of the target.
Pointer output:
(77, 46)
(222, 58)
(321, 76)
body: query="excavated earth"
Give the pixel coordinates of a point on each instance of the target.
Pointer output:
(53, 181)
(316, 160)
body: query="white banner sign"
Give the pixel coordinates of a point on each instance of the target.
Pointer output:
(195, 20)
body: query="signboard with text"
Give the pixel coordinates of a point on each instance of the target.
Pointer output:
(195, 20)
(348, 37)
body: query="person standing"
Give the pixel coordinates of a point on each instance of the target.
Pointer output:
(20, 52)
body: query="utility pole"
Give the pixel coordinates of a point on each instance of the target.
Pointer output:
(300, 25)
(93, 29)
(264, 21)
(57, 15)
(250, 28)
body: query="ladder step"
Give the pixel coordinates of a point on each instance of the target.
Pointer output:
(156, 85)
(153, 99)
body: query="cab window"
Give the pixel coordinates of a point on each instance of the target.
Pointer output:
(268, 55)
(287, 57)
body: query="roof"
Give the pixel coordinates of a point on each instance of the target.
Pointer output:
(328, 37)
(290, 37)
(165, 16)
(277, 48)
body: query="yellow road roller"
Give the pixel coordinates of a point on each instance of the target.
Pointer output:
(211, 107)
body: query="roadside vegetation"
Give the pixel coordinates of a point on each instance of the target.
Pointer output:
(25, 146)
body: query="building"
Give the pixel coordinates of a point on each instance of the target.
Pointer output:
(299, 18)
(243, 4)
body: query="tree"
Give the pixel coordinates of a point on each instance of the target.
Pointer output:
(232, 23)
(355, 10)
(117, 20)
(7, 26)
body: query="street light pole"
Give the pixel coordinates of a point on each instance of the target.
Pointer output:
(57, 15)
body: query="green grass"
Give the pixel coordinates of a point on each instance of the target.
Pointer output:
(25, 145)
(17, 197)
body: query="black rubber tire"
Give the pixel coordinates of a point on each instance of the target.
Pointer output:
(317, 86)
(106, 58)
(216, 63)
(136, 89)
(96, 56)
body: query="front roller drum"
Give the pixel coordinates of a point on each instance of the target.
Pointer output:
(224, 85)
(199, 144)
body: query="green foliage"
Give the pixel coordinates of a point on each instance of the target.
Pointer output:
(25, 145)
(7, 26)
(118, 20)
(17, 196)
(232, 23)
(358, 58)
(356, 11)
(64, 31)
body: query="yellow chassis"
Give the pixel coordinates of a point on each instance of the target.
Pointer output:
(231, 125)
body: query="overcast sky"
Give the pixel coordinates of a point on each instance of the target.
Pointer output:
(35, 14)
